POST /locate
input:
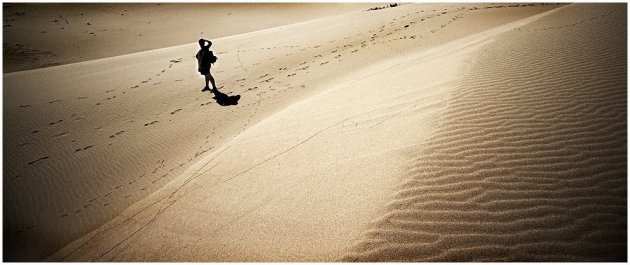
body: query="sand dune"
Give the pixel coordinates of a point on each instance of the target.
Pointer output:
(505, 125)
(46, 34)
(528, 162)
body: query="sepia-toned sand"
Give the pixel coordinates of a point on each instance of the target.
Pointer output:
(47, 34)
(422, 132)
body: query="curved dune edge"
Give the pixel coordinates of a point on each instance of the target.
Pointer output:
(109, 29)
(84, 143)
(528, 161)
(290, 190)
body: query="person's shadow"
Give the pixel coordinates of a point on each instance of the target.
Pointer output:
(223, 99)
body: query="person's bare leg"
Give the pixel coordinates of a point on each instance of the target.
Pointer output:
(209, 77)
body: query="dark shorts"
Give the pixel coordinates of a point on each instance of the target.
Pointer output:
(204, 71)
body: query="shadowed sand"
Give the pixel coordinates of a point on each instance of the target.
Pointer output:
(421, 132)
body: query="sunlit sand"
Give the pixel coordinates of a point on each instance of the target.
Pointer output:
(418, 132)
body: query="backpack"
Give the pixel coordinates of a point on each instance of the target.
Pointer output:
(210, 58)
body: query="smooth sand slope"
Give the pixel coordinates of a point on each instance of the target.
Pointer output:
(124, 159)
(47, 34)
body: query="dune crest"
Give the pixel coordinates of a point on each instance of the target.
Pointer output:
(302, 183)
(490, 134)
(47, 34)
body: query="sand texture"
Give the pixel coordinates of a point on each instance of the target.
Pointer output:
(47, 34)
(423, 132)
(528, 162)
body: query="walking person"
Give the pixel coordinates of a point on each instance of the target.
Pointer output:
(205, 58)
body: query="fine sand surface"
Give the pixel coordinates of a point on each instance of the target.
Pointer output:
(421, 132)
(47, 34)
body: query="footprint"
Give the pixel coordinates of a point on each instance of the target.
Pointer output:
(116, 134)
(54, 101)
(25, 106)
(84, 148)
(175, 111)
(37, 160)
(176, 60)
(83, 97)
(324, 63)
(55, 122)
(151, 123)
